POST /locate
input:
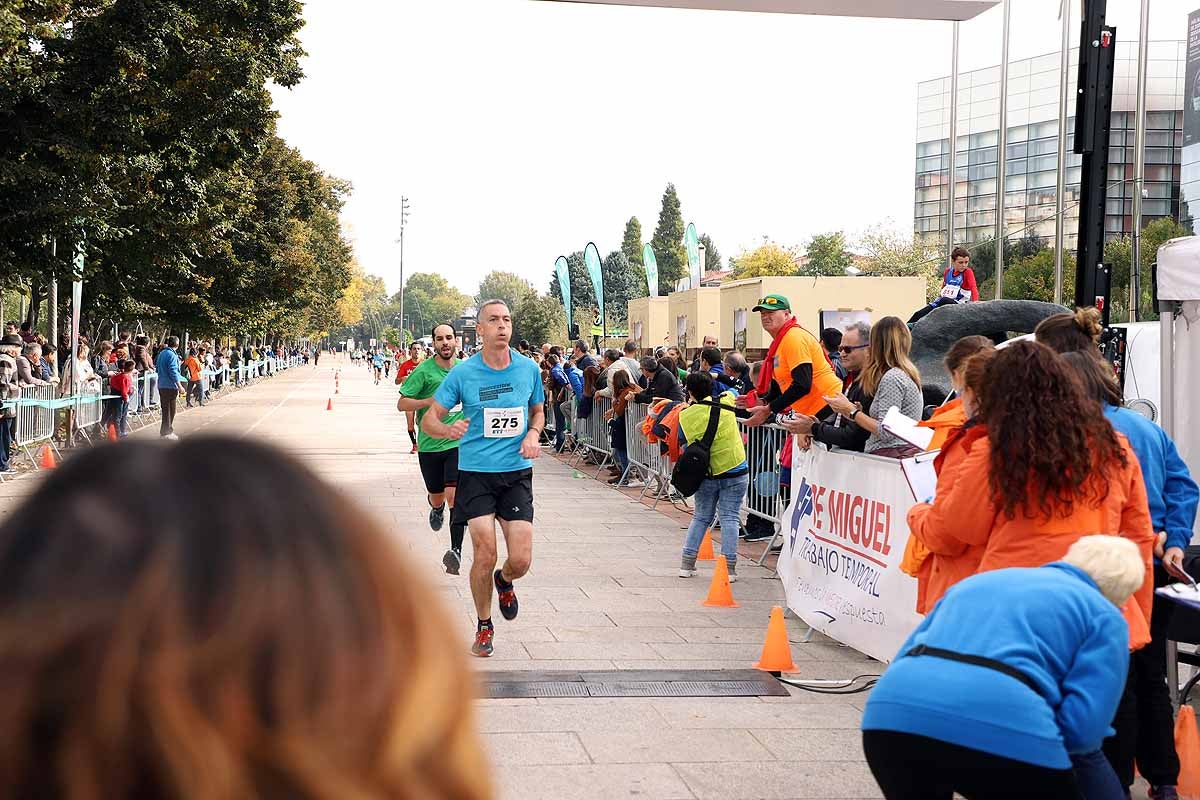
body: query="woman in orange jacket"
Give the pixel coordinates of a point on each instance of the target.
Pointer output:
(1050, 471)
(951, 415)
(937, 569)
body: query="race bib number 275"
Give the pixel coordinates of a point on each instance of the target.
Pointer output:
(503, 423)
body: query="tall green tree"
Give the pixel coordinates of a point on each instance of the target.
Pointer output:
(146, 129)
(983, 256)
(712, 257)
(826, 255)
(631, 242)
(540, 318)
(1119, 254)
(506, 286)
(668, 242)
(622, 283)
(429, 300)
(1032, 278)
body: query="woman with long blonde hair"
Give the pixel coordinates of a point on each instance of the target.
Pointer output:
(891, 379)
(158, 645)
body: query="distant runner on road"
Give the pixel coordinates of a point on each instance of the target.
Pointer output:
(503, 401)
(402, 372)
(377, 365)
(438, 457)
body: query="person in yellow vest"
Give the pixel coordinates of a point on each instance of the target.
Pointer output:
(796, 375)
(724, 488)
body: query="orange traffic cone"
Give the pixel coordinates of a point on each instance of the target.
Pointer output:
(706, 548)
(48, 459)
(719, 593)
(329, 405)
(777, 652)
(112, 432)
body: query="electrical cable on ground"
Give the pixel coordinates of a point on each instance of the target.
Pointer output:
(809, 686)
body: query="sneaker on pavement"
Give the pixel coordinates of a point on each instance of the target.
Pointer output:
(687, 566)
(733, 574)
(452, 561)
(1163, 793)
(483, 642)
(506, 595)
(631, 483)
(758, 535)
(688, 573)
(414, 449)
(437, 515)
(172, 437)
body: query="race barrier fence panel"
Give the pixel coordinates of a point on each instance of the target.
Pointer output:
(41, 412)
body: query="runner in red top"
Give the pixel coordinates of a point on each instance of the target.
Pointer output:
(402, 372)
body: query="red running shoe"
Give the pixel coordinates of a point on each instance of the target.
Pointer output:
(507, 596)
(483, 642)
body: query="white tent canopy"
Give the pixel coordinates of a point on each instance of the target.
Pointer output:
(1178, 279)
(891, 9)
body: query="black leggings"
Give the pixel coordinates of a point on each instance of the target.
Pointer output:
(911, 767)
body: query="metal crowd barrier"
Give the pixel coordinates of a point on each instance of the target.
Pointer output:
(764, 445)
(766, 495)
(40, 410)
(35, 423)
(648, 459)
(591, 432)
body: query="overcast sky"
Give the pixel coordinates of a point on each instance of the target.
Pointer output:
(520, 130)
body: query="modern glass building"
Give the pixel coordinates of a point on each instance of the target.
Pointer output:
(1032, 148)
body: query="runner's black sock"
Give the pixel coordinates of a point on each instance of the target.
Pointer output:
(457, 531)
(485, 623)
(500, 582)
(412, 435)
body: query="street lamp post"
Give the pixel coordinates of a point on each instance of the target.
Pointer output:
(403, 222)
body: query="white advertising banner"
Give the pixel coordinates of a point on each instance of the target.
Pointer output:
(844, 537)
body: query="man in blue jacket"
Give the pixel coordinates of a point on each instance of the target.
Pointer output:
(170, 382)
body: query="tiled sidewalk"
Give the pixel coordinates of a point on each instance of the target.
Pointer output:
(602, 594)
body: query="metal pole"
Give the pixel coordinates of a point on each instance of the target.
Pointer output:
(52, 311)
(1064, 76)
(953, 165)
(1139, 164)
(403, 222)
(1002, 153)
(52, 301)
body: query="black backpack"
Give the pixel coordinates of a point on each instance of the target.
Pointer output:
(692, 467)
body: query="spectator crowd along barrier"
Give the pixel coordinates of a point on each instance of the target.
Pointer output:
(43, 417)
(590, 441)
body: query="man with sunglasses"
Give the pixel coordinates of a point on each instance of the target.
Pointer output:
(839, 431)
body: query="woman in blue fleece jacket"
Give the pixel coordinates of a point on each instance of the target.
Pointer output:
(1145, 721)
(1011, 673)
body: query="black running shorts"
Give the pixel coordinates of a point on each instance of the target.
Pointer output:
(508, 495)
(439, 469)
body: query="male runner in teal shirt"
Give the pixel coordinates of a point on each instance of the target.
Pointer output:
(503, 402)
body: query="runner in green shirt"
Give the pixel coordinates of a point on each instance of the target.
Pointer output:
(438, 457)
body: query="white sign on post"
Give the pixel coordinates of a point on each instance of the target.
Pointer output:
(844, 537)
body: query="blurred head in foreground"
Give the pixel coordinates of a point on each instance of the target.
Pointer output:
(211, 620)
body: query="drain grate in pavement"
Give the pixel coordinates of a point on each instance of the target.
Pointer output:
(642, 683)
